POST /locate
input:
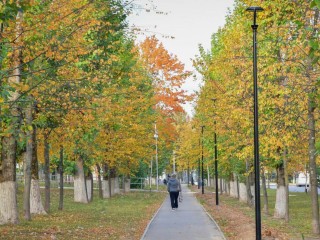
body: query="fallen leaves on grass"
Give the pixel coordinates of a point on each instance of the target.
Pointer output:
(234, 223)
(122, 217)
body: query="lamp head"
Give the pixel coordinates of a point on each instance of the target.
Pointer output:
(254, 9)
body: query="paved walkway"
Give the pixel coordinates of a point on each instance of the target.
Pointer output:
(190, 221)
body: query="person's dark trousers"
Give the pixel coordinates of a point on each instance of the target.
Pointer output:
(174, 199)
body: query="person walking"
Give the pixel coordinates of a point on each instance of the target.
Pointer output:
(174, 188)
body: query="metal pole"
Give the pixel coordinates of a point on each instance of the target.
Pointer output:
(150, 173)
(256, 129)
(188, 172)
(216, 157)
(156, 137)
(216, 164)
(256, 133)
(199, 168)
(157, 163)
(202, 184)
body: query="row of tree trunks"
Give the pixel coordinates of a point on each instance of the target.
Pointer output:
(108, 187)
(244, 191)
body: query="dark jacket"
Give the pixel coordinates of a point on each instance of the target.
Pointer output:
(173, 185)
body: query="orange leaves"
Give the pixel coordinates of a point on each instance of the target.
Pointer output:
(168, 73)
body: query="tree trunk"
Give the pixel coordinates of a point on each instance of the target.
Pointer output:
(280, 210)
(112, 176)
(249, 183)
(126, 183)
(27, 165)
(250, 197)
(111, 186)
(285, 160)
(312, 96)
(99, 181)
(36, 206)
(243, 192)
(89, 185)
(105, 188)
(238, 187)
(80, 191)
(8, 192)
(61, 179)
(208, 171)
(105, 182)
(265, 193)
(313, 166)
(116, 185)
(227, 187)
(46, 173)
(233, 186)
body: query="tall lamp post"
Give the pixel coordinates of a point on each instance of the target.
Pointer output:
(216, 156)
(202, 182)
(256, 129)
(199, 166)
(188, 172)
(156, 137)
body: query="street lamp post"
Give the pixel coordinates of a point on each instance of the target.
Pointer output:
(216, 156)
(199, 167)
(156, 137)
(188, 172)
(216, 164)
(256, 129)
(202, 182)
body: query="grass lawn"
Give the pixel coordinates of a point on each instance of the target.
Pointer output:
(123, 216)
(299, 226)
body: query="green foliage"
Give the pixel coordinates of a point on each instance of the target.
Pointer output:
(69, 167)
(315, 3)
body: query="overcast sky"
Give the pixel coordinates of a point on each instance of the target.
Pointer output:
(190, 22)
